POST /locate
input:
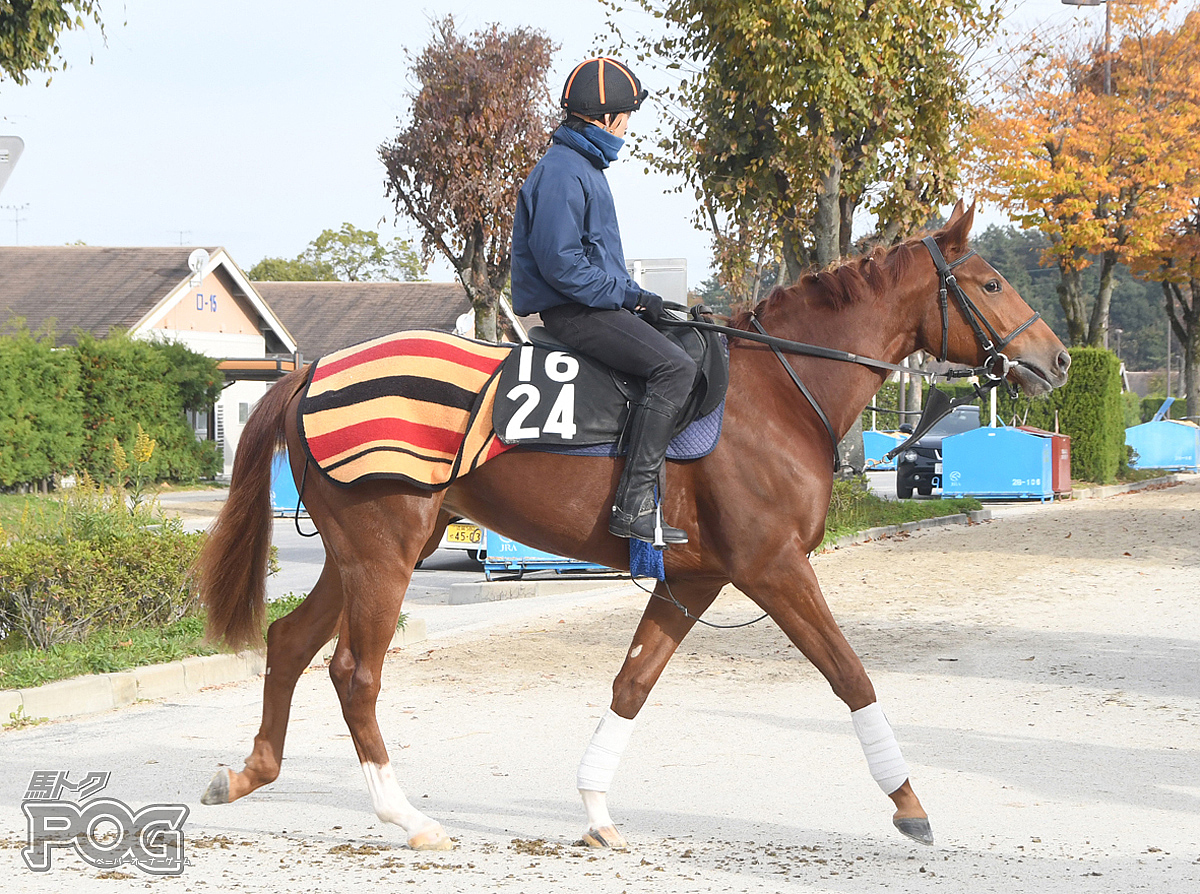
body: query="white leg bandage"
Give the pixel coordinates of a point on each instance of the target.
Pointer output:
(389, 802)
(603, 753)
(884, 759)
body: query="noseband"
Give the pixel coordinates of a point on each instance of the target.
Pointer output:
(994, 369)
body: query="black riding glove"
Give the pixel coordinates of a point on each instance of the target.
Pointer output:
(650, 306)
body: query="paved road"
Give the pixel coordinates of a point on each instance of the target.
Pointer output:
(1040, 670)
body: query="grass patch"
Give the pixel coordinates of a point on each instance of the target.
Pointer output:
(14, 507)
(1129, 475)
(854, 508)
(110, 651)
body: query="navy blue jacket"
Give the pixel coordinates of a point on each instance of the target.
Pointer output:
(566, 244)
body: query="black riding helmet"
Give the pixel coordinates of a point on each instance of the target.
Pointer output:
(602, 86)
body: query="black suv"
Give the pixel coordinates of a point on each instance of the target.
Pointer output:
(920, 466)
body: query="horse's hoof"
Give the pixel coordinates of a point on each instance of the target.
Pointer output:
(915, 827)
(218, 790)
(608, 838)
(432, 839)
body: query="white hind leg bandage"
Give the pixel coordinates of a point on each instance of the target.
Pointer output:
(884, 759)
(603, 753)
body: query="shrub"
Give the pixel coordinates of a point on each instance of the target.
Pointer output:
(40, 408)
(89, 563)
(125, 382)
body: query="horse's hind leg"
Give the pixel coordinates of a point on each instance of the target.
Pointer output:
(376, 565)
(292, 641)
(659, 633)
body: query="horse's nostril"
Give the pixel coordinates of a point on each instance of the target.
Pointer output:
(1064, 361)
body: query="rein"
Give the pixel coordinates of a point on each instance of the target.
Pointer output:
(994, 369)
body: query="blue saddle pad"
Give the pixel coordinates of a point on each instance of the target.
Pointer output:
(697, 440)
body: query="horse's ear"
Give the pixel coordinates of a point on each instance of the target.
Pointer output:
(957, 230)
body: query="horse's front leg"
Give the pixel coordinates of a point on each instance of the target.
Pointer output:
(789, 592)
(659, 633)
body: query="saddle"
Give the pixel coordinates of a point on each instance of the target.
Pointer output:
(550, 397)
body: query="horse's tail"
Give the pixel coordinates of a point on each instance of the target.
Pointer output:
(232, 565)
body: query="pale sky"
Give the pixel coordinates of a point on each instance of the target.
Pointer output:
(234, 123)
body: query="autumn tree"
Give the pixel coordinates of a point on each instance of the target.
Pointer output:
(1096, 171)
(481, 117)
(349, 255)
(30, 31)
(787, 118)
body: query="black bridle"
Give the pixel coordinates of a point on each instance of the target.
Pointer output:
(994, 370)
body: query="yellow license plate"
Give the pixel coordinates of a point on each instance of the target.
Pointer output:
(462, 533)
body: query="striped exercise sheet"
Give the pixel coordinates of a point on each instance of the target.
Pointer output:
(413, 406)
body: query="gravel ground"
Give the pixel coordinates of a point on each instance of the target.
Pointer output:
(1042, 672)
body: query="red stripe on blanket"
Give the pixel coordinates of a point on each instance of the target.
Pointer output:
(362, 434)
(412, 347)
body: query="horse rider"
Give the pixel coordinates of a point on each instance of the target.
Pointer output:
(568, 266)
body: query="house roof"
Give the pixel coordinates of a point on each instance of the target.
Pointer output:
(327, 316)
(101, 290)
(96, 289)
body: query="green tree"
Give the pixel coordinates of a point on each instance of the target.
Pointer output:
(348, 255)
(480, 119)
(787, 117)
(296, 270)
(30, 31)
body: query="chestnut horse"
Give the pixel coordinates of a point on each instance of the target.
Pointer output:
(771, 474)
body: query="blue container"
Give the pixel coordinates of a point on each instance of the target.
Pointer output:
(997, 463)
(1164, 445)
(284, 495)
(502, 554)
(876, 444)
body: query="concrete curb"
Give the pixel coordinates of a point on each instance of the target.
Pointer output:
(962, 518)
(496, 591)
(104, 692)
(1111, 490)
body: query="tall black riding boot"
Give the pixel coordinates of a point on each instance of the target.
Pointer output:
(634, 514)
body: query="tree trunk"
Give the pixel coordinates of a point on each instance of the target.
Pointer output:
(1070, 296)
(472, 272)
(915, 383)
(828, 217)
(1184, 319)
(794, 261)
(1098, 326)
(846, 207)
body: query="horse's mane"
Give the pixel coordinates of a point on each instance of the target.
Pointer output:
(839, 285)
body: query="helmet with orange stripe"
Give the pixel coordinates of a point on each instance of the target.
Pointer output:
(602, 86)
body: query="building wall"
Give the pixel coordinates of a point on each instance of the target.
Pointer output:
(211, 320)
(212, 307)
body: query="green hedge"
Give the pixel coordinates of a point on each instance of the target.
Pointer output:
(40, 409)
(62, 408)
(1152, 404)
(127, 382)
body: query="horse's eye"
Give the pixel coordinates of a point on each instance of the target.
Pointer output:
(993, 285)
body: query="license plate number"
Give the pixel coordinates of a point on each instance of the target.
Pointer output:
(461, 533)
(937, 468)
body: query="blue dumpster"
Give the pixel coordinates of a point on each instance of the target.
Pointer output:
(502, 554)
(876, 444)
(284, 496)
(997, 463)
(1167, 444)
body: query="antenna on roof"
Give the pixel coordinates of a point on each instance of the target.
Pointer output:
(198, 264)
